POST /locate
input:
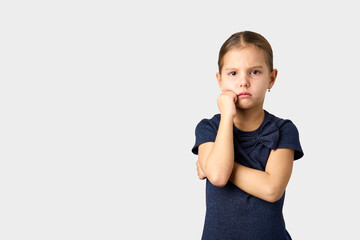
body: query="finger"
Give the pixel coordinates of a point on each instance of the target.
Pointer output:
(235, 96)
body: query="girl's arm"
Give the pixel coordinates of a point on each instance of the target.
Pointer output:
(216, 159)
(270, 184)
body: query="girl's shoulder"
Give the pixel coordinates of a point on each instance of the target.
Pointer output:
(213, 122)
(279, 122)
(288, 134)
(206, 131)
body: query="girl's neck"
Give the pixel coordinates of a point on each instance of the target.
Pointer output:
(249, 119)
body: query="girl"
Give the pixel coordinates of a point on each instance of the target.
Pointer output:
(245, 153)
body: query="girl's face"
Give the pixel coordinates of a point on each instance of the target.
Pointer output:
(246, 73)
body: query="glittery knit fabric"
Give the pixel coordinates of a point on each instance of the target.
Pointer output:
(232, 213)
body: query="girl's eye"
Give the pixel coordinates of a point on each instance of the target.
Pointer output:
(232, 73)
(254, 72)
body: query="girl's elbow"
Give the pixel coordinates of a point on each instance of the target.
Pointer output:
(219, 180)
(219, 183)
(272, 198)
(219, 175)
(274, 194)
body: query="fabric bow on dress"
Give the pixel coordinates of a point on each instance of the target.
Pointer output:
(267, 134)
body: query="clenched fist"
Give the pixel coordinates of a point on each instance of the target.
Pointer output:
(226, 103)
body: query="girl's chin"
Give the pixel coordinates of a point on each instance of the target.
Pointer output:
(244, 106)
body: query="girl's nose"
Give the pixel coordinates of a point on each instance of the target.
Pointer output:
(244, 83)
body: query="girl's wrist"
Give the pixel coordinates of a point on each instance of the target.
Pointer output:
(227, 119)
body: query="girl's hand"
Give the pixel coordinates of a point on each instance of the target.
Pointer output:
(200, 172)
(226, 103)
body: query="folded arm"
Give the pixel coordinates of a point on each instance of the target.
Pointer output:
(216, 159)
(270, 184)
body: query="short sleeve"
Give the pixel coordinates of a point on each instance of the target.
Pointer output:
(205, 131)
(289, 138)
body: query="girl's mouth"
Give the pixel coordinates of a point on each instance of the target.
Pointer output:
(244, 95)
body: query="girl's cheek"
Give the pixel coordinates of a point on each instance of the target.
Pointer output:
(230, 84)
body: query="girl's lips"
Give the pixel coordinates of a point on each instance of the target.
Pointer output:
(244, 95)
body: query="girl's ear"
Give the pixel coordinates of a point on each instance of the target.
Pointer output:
(218, 77)
(273, 76)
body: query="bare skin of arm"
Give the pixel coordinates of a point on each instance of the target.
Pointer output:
(268, 185)
(216, 159)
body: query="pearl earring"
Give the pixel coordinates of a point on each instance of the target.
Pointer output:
(269, 90)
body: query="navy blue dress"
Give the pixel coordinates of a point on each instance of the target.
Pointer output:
(232, 213)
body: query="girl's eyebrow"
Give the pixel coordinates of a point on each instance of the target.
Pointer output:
(233, 68)
(257, 67)
(227, 69)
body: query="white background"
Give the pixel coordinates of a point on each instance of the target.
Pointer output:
(99, 101)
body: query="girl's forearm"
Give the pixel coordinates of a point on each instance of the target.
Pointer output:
(255, 182)
(219, 164)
